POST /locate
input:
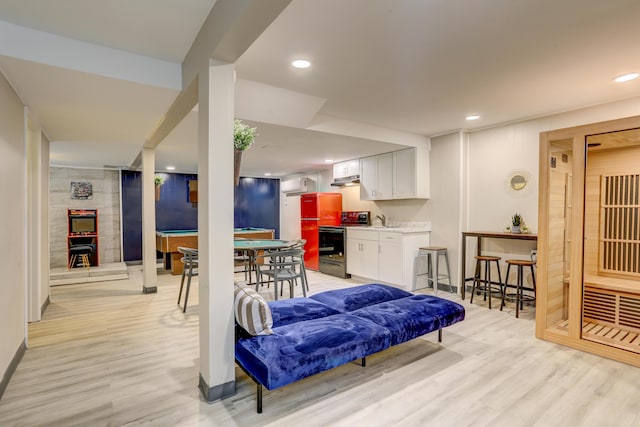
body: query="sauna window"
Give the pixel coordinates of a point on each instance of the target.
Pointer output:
(620, 230)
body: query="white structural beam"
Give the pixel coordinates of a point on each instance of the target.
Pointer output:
(51, 49)
(231, 27)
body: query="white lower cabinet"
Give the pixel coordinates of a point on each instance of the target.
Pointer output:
(390, 257)
(384, 256)
(362, 253)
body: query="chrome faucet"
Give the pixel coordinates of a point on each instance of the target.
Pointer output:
(383, 219)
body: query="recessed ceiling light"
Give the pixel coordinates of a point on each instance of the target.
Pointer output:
(328, 161)
(626, 77)
(472, 117)
(171, 168)
(301, 63)
(267, 174)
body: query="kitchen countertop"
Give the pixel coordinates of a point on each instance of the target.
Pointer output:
(405, 229)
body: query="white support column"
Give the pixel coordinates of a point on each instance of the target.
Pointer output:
(149, 267)
(215, 230)
(34, 229)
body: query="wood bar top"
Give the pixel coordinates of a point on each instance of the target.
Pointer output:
(501, 235)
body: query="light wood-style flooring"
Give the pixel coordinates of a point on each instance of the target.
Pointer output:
(107, 355)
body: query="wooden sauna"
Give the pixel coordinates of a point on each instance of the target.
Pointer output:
(589, 239)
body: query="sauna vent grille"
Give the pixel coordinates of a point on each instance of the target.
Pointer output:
(629, 312)
(613, 308)
(599, 306)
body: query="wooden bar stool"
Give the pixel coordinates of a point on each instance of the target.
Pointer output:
(81, 252)
(433, 255)
(518, 295)
(485, 285)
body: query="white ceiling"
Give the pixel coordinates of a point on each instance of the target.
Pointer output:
(383, 69)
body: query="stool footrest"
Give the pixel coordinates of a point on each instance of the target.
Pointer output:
(519, 297)
(514, 295)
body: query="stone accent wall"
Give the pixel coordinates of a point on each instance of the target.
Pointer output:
(106, 199)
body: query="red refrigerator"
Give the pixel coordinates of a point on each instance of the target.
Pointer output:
(317, 209)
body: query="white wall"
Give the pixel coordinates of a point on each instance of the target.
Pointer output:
(13, 225)
(444, 208)
(290, 217)
(324, 180)
(494, 155)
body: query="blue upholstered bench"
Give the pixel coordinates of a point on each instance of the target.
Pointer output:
(329, 329)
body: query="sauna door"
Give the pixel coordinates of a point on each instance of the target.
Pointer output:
(561, 161)
(611, 263)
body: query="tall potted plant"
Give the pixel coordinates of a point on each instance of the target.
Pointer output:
(243, 136)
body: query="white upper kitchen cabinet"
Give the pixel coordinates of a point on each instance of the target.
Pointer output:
(345, 169)
(411, 173)
(376, 177)
(368, 177)
(403, 174)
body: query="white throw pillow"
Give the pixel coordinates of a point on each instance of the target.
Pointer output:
(252, 311)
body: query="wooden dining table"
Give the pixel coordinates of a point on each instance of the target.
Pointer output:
(479, 235)
(254, 246)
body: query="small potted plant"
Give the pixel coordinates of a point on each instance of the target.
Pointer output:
(243, 137)
(158, 180)
(516, 221)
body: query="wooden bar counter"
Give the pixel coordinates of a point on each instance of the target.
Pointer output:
(479, 235)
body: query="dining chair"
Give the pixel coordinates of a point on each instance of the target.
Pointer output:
(293, 244)
(299, 244)
(243, 258)
(284, 265)
(190, 268)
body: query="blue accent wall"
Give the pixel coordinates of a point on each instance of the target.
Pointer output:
(257, 204)
(132, 215)
(173, 210)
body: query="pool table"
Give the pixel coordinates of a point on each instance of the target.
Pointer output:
(167, 243)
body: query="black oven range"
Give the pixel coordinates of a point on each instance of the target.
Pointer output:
(333, 242)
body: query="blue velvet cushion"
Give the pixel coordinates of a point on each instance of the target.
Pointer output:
(448, 312)
(354, 298)
(293, 310)
(298, 350)
(411, 317)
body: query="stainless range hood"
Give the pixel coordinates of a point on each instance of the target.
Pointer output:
(346, 180)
